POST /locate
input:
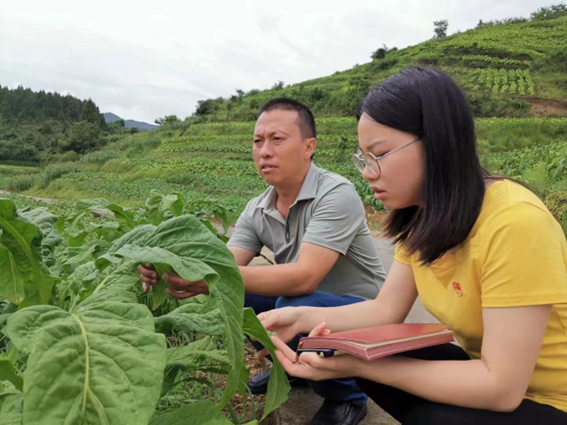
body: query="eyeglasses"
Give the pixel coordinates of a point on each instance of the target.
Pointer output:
(363, 160)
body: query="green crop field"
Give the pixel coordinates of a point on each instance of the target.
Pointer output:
(213, 162)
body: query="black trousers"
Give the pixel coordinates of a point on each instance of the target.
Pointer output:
(412, 410)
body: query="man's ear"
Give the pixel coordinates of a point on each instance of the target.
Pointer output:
(310, 145)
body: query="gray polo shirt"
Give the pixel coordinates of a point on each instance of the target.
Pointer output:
(327, 212)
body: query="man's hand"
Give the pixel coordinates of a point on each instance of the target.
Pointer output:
(177, 287)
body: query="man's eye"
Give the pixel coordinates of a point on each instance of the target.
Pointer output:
(257, 141)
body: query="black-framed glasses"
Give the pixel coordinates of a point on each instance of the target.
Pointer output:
(362, 160)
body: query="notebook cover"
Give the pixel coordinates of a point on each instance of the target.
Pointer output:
(394, 339)
(383, 333)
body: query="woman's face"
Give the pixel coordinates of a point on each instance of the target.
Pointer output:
(402, 173)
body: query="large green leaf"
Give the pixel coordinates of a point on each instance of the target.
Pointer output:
(201, 413)
(11, 408)
(187, 237)
(196, 355)
(162, 207)
(192, 317)
(186, 242)
(82, 207)
(124, 216)
(189, 268)
(24, 278)
(80, 283)
(83, 254)
(138, 237)
(108, 229)
(51, 239)
(207, 209)
(202, 354)
(99, 364)
(11, 277)
(8, 373)
(278, 385)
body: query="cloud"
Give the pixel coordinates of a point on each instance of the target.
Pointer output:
(144, 60)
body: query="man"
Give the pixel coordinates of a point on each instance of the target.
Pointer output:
(314, 223)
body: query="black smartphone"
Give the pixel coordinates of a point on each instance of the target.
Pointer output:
(323, 352)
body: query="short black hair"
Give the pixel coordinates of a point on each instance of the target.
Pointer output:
(306, 119)
(428, 103)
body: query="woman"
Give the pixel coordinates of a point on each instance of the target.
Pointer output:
(483, 253)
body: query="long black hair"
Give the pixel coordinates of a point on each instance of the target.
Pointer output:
(428, 103)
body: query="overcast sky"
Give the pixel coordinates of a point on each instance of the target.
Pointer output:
(146, 59)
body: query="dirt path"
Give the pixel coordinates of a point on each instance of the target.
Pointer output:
(46, 200)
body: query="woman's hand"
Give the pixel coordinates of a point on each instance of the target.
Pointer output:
(313, 367)
(285, 322)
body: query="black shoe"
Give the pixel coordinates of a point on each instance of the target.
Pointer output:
(259, 383)
(339, 413)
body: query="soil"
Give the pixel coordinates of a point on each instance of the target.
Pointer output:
(547, 108)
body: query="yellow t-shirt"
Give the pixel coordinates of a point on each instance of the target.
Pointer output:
(515, 255)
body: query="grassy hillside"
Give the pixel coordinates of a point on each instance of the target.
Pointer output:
(213, 161)
(513, 68)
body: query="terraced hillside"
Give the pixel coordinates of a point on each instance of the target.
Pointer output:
(213, 162)
(513, 68)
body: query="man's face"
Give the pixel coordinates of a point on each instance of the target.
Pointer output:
(281, 153)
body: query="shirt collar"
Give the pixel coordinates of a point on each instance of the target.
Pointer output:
(269, 199)
(309, 187)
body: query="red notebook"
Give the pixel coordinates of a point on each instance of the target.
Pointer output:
(379, 341)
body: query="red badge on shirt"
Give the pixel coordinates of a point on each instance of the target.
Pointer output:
(457, 288)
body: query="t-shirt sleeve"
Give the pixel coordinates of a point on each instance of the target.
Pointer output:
(245, 235)
(337, 218)
(401, 255)
(525, 258)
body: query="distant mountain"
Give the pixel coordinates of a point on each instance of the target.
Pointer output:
(110, 117)
(140, 125)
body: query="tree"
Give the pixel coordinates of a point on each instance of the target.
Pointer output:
(204, 107)
(83, 136)
(379, 54)
(167, 120)
(92, 114)
(278, 86)
(382, 52)
(24, 105)
(440, 29)
(551, 12)
(209, 106)
(116, 127)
